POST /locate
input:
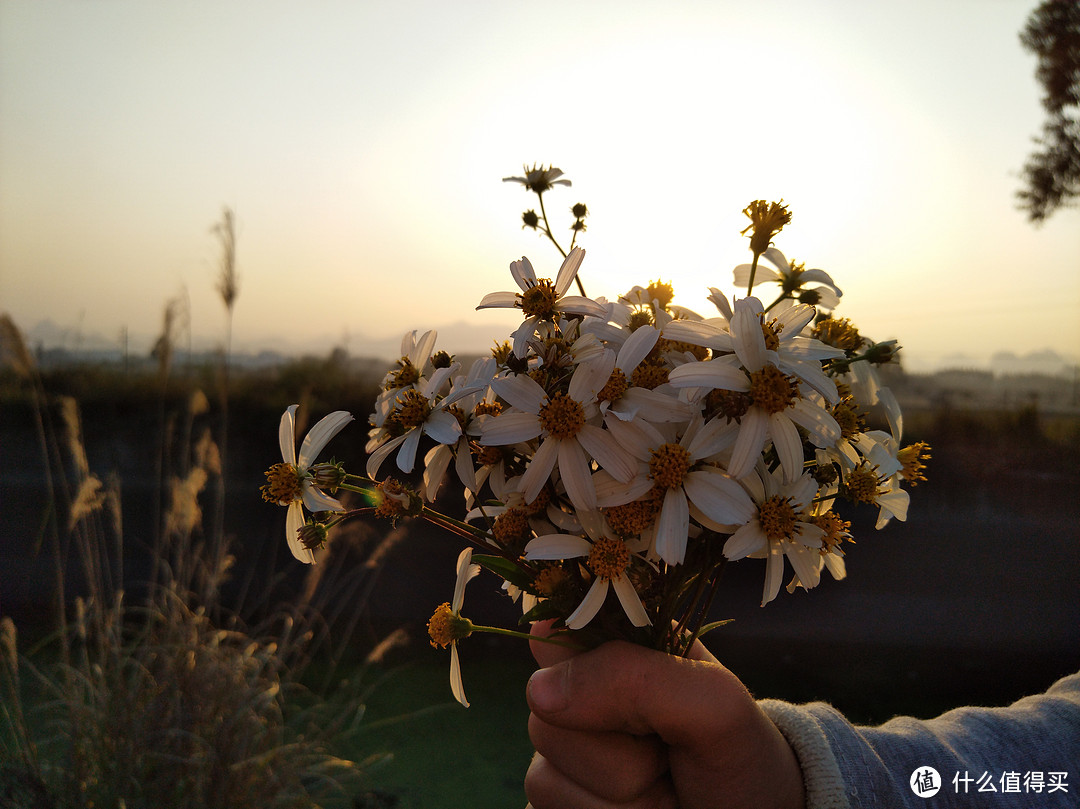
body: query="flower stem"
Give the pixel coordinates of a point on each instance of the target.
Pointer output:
(550, 235)
(510, 633)
(753, 272)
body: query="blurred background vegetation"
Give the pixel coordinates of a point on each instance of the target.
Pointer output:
(154, 622)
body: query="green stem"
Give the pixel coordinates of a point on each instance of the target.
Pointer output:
(753, 272)
(550, 235)
(510, 633)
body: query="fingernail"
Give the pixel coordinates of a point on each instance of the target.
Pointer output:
(547, 689)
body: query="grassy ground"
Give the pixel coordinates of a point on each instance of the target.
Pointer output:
(445, 755)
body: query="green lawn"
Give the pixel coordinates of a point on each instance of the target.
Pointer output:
(445, 755)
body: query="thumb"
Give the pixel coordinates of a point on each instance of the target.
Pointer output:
(631, 689)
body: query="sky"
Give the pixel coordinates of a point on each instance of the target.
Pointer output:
(362, 145)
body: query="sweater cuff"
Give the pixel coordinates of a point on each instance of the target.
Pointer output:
(825, 788)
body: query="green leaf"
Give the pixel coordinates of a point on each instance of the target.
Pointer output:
(501, 566)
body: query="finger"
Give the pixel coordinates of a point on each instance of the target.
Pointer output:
(548, 654)
(631, 689)
(548, 788)
(615, 766)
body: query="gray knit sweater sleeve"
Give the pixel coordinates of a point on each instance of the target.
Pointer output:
(1025, 755)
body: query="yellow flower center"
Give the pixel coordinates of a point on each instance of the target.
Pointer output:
(771, 332)
(649, 375)
(838, 333)
(630, 519)
(283, 484)
(562, 416)
(731, 404)
(405, 375)
(549, 580)
(848, 416)
(444, 627)
(836, 530)
(777, 517)
(412, 409)
(661, 292)
(539, 300)
(614, 388)
(914, 459)
(669, 465)
(487, 409)
(609, 558)
(639, 318)
(488, 456)
(766, 220)
(511, 527)
(772, 390)
(862, 485)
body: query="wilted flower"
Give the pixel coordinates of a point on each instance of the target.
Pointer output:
(539, 179)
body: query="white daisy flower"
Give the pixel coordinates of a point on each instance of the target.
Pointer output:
(780, 526)
(447, 626)
(681, 470)
(417, 412)
(768, 374)
(291, 483)
(793, 279)
(541, 299)
(563, 423)
(608, 558)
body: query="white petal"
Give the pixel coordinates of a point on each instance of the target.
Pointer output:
(788, 445)
(630, 601)
(543, 461)
(523, 274)
(774, 573)
(605, 450)
(636, 348)
(423, 348)
(673, 527)
(294, 521)
(611, 492)
(509, 428)
(719, 497)
(521, 391)
(794, 320)
(577, 305)
(590, 605)
(376, 458)
(406, 458)
(316, 499)
(498, 300)
(816, 420)
(443, 427)
(576, 475)
(319, 436)
(651, 405)
(589, 377)
(436, 462)
(557, 546)
(287, 435)
(747, 540)
(804, 561)
(749, 339)
(720, 373)
(466, 572)
(568, 271)
(457, 687)
(748, 445)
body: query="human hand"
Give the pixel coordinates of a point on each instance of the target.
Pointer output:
(630, 727)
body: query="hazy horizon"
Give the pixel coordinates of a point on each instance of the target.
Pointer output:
(362, 147)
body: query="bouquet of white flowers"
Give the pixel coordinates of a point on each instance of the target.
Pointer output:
(628, 446)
